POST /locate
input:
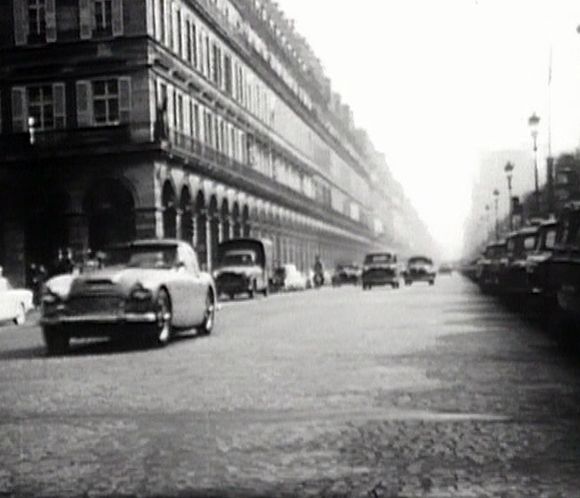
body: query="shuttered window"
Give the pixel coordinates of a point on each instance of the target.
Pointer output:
(36, 21)
(21, 24)
(86, 18)
(104, 102)
(44, 103)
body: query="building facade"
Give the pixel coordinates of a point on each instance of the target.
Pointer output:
(197, 119)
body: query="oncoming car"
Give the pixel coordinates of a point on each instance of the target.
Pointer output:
(150, 287)
(419, 269)
(380, 268)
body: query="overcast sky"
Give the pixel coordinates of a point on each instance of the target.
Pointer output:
(436, 82)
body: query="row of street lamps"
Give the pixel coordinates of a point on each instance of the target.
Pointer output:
(533, 123)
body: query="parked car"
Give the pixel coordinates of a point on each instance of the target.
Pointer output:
(419, 269)
(540, 281)
(513, 279)
(564, 267)
(346, 273)
(243, 267)
(294, 279)
(489, 266)
(154, 285)
(380, 268)
(14, 303)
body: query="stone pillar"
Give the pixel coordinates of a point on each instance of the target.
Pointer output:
(148, 223)
(78, 229)
(208, 243)
(178, 223)
(15, 248)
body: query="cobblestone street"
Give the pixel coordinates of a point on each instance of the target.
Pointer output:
(422, 391)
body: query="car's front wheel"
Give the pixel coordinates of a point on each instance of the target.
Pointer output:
(56, 340)
(163, 327)
(208, 323)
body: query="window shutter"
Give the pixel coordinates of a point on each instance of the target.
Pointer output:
(86, 18)
(125, 99)
(50, 19)
(84, 104)
(20, 22)
(59, 106)
(117, 17)
(19, 109)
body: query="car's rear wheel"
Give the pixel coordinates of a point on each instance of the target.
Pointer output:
(20, 317)
(208, 323)
(163, 327)
(57, 341)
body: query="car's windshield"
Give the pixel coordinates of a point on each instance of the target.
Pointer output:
(142, 256)
(379, 258)
(238, 258)
(550, 238)
(420, 261)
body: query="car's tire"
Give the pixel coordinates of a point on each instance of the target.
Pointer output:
(408, 282)
(163, 328)
(57, 341)
(266, 291)
(20, 318)
(431, 282)
(208, 323)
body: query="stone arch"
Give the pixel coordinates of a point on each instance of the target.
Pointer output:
(214, 229)
(200, 235)
(168, 204)
(225, 219)
(187, 217)
(236, 221)
(110, 209)
(245, 222)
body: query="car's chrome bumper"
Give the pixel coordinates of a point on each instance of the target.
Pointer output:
(101, 319)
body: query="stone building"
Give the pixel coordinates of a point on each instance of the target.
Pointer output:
(197, 119)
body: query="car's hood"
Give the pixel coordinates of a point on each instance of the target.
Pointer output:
(240, 270)
(114, 279)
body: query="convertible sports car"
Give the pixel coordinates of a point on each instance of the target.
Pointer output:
(151, 286)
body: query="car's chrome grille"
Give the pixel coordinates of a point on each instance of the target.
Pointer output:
(99, 304)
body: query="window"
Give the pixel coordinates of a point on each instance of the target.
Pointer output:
(103, 17)
(188, 47)
(40, 107)
(37, 18)
(194, 44)
(179, 34)
(106, 102)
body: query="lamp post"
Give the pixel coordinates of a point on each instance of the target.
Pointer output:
(509, 168)
(534, 122)
(487, 221)
(496, 196)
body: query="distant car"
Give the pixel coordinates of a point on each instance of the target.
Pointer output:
(154, 285)
(346, 274)
(243, 267)
(380, 268)
(513, 277)
(445, 269)
(419, 269)
(14, 303)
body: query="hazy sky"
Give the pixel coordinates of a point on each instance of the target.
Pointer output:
(435, 82)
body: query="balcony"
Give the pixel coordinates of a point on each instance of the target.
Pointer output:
(72, 141)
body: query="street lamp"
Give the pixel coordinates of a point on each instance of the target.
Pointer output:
(534, 122)
(509, 168)
(496, 196)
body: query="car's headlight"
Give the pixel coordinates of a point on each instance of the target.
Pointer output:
(52, 303)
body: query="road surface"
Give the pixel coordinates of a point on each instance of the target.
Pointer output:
(422, 391)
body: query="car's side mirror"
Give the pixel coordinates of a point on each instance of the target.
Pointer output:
(180, 265)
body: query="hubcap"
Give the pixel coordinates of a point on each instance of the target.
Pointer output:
(163, 318)
(209, 312)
